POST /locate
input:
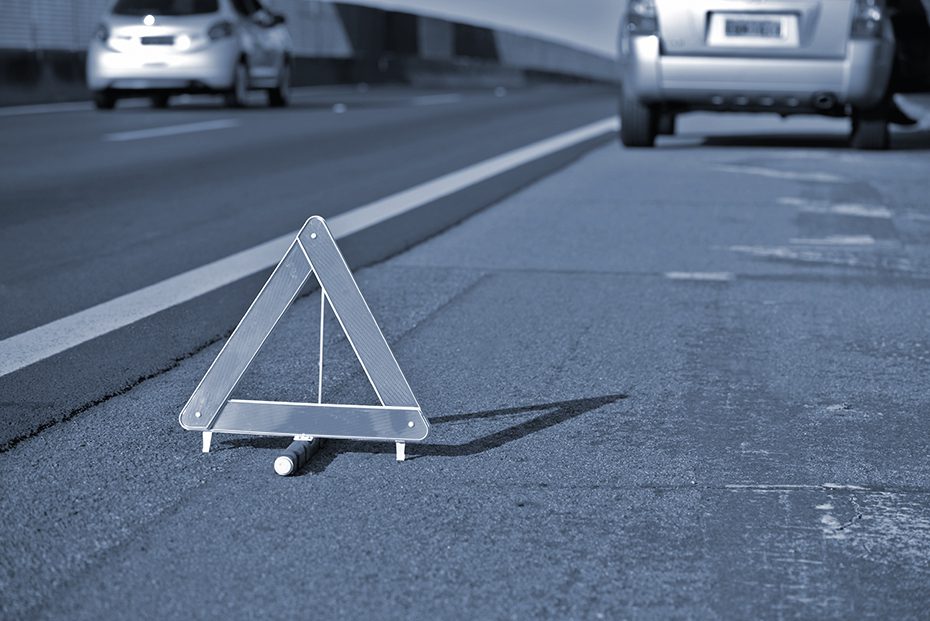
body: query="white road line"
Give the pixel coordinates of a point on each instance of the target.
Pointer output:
(436, 100)
(67, 106)
(855, 210)
(835, 240)
(21, 350)
(171, 130)
(86, 106)
(772, 173)
(701, 276)
(840, 209)
(787, 488)
(71, 106)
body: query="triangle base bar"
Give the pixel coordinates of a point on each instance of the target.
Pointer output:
(356, 422)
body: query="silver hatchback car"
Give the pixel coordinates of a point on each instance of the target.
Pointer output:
(160, 48)
(831, 57)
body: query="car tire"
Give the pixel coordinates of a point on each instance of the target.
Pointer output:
(160, 101)
(280, 95)
(639, 123)
(104, 100)
(870, 130)
(237, 95)
(666, 124)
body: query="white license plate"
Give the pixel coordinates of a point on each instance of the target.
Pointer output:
(752, 30)
(764, 28)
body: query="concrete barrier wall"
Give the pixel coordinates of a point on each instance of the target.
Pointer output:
(43, 43)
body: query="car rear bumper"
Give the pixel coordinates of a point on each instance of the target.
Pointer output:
(205, 70)
(782, 84)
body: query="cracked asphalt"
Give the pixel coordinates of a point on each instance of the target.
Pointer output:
(681, 383)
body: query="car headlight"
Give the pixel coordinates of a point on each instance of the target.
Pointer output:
(868, 16)
(221, 30)
(101, 33)
(641, 18)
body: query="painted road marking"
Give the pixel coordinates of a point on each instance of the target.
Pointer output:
(840, 209)
(71, 106)
(68, 106)
(701, 276)
(772, 173)
(833, 487)
(835, 240)
(21, 350)
(171, 130)
(436, 100)
(135, 102)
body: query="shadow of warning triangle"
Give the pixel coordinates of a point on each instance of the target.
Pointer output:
(398, 419)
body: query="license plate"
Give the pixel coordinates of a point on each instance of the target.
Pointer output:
(765, 29)
(158, 40)
(728, 29)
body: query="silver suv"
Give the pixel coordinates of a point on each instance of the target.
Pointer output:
(831, 57)
(160, 48)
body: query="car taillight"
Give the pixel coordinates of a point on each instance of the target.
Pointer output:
(867, 19)
(641, 17)
(101, 32)
(220, 30)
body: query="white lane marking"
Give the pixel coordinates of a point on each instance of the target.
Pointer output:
(387, 208)
(789, 487)
(840, 209)
(86, 106)
(71, 106)
(66, 106)
(860, 211)
(171, 130)
(436, 100)
(772, 173)
(835, 240)
(21, 350)
(701, 276)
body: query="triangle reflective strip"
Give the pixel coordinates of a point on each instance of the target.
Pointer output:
(399, 418)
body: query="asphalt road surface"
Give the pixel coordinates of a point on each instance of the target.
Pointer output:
(97, 205)
(687, 382)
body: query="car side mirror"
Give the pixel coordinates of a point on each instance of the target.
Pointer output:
(267, 19)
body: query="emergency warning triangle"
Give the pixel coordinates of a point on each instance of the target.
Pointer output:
(398, 418)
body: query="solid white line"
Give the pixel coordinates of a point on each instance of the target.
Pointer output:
(70, 106)
(171, 130)
(835, 240)
(62, 107)
(701, 276)
(21, 350)
(134, 102)
(436, 100)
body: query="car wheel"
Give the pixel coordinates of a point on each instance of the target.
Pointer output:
(160, 101)
(666, 124)
(280, 96)
(237, 96)
(104, 101)
(639, 123)
(870, 130)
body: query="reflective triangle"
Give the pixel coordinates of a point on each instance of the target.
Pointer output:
(398, 418)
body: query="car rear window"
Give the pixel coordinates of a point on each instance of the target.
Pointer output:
(165, 7)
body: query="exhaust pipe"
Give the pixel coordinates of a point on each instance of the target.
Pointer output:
(824, 101)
